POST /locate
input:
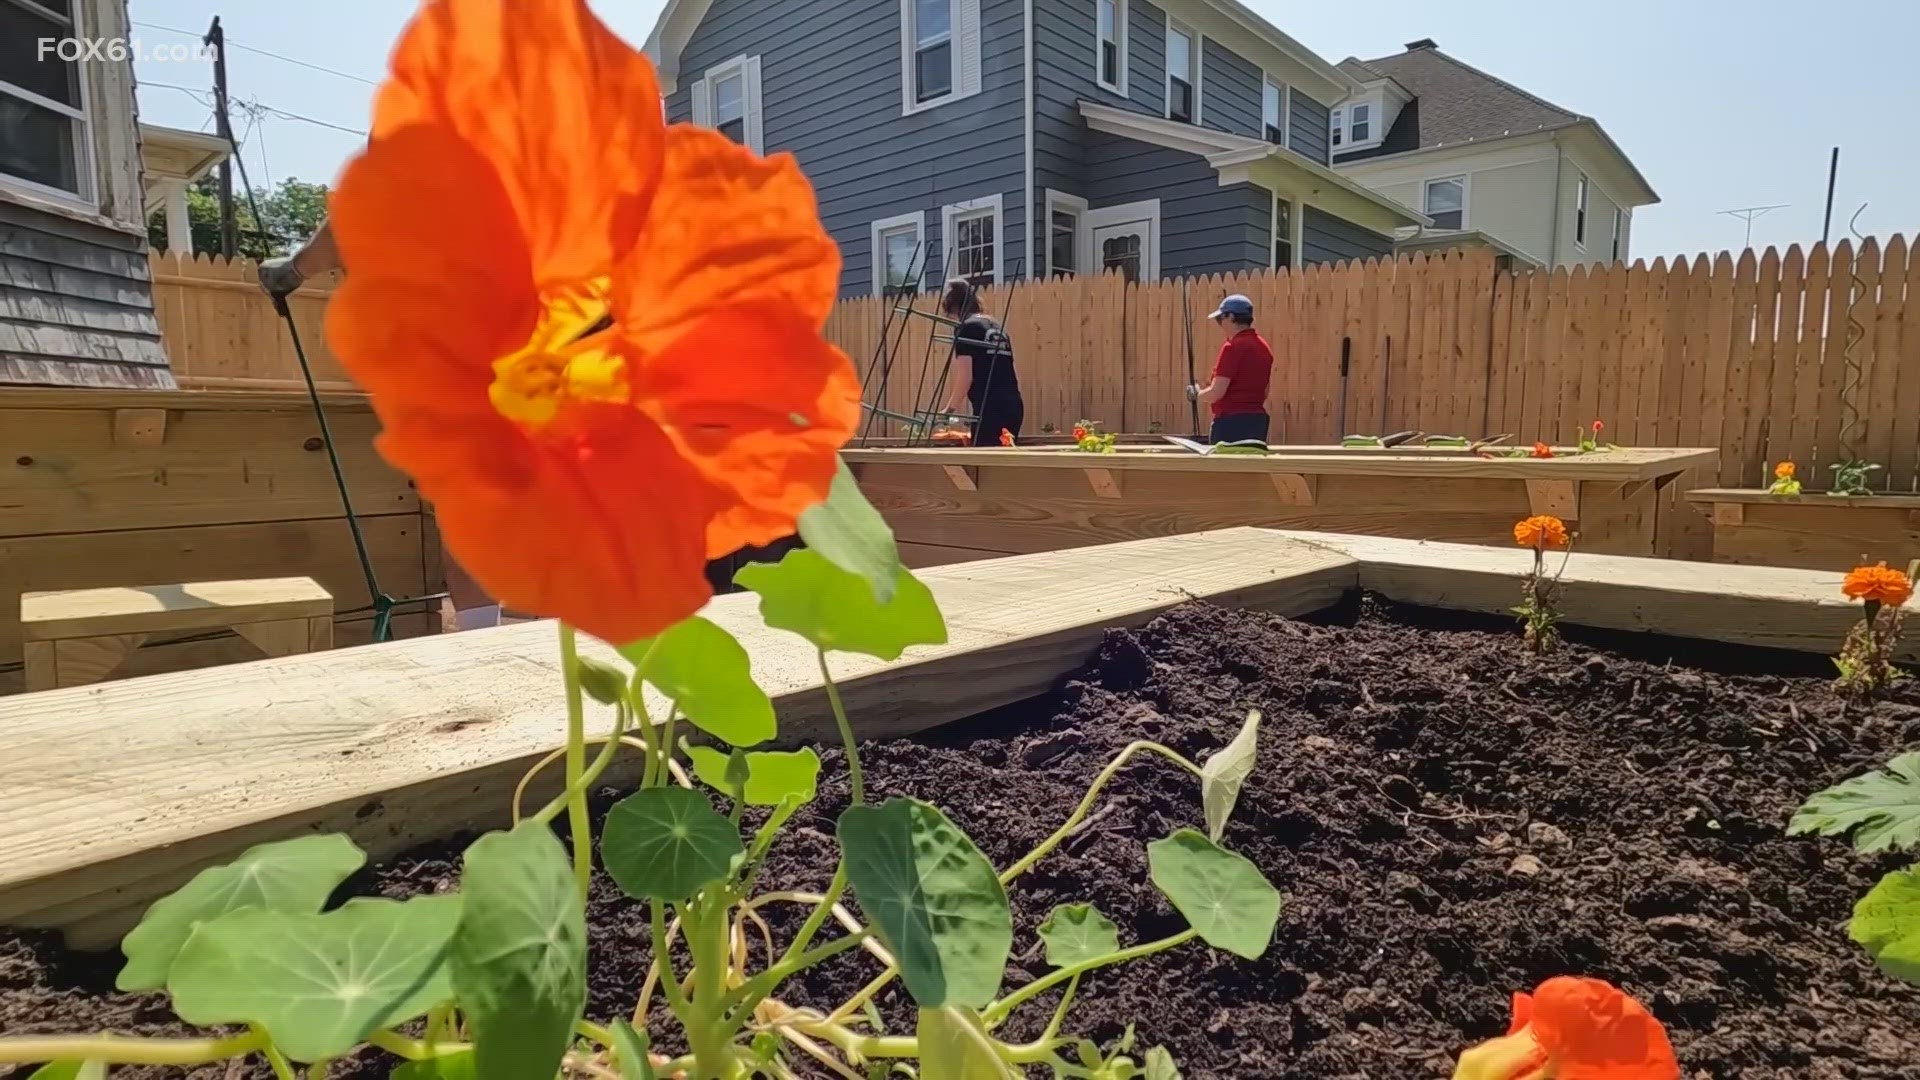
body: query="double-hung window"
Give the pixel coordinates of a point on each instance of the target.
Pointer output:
(1336, 125)
(940, 51)
(727, 99)
(1273, 111)
(1580, 211)
(1618, 225)
(932, 50)
(1282, 233)
(972, 232)
(1360, 123)
(899, 256)
(1183, 68)
(44, 136)
(1110, 44)
(1446, 202)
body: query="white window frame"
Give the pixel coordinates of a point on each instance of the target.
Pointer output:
(1147, 210)
(1286, 108)
(1120, 47)
(1296, 214)
(1197, 46)
(1619, 219)
(1337, 129)
(1372, 122)
(88, 197)
(953, 213)
(1581, 187)
(1340, 125)
(964, 49)
(748, 69)
(1082, 236)
(1466, 196)
(917, 221)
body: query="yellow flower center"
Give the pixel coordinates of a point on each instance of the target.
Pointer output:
(1510, 1057)
(563, 361)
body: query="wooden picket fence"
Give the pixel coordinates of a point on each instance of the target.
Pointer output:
(1750, 356)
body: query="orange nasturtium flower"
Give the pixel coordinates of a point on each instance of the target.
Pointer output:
(593, 340)
(1598, 427)
(1783, 471)
(1878, 584)
(1006, 437)
(1541, 449)
(1542, 531)
(1080, 432)
(1574, 1029)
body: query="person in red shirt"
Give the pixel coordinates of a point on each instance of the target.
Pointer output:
(1238, 393)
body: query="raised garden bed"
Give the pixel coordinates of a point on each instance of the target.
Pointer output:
(1813, 530)
(952, 505)
(1448, 820)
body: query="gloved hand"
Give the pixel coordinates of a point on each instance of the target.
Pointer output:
(280, 276)
(1193, 391)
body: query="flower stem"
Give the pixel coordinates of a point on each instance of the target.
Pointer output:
(999, 1010)
(580, 827)
(854, 774)
(127, 1050)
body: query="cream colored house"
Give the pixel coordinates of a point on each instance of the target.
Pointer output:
(1491, 164)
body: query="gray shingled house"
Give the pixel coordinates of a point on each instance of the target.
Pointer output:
(1034, 137)
(1488, 162)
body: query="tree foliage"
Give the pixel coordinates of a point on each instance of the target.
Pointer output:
(292, 211)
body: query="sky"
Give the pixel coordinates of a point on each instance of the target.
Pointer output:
(1722, 104)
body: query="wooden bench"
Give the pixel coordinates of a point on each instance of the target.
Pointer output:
(78, 636)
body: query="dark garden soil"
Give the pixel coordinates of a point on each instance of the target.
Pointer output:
(1448, 820)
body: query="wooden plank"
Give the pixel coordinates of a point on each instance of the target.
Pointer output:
(921, 556)
(1904, 470)
(1761, 497)
(139, 429)
(1723, 390)
(1742, 605)
(1817, 533)
(1294, 489)
(40, 667)
(1752, 465)
(1806, 377)
(1557, 498)
(86, 660)
(1878, 391)
(189, 606)
(1729, 513)
(285, 637)
(1103, 482)
(962, 478)
(110, 799)
(1827, 408)
(1786, 361)
(1624, 464)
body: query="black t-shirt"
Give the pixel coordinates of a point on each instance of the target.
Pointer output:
(982, 341)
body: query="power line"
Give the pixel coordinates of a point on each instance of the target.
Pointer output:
(263, 52)
(265, 108)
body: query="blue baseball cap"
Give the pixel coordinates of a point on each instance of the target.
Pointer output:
(1234, 305)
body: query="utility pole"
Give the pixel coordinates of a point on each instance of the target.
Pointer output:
(1833, 174)
(1748, 213)
(229, 226)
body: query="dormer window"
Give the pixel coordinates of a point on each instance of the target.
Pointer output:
(1360, 123)
(1353, 124)
(1337, 125)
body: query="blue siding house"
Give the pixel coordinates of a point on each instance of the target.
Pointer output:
(995, 139)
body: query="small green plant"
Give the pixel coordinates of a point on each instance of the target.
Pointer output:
(1850, 478)
(1155, 427)
(1785, 484)
(1590, 439)
(1049, 428)
(1539, 610)
(1878, 811)
(1866, 657)
(496, 974)
(1088, 436)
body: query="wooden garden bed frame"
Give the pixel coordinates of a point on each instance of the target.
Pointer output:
(955, 505)
(1814, 530)
(116, 794)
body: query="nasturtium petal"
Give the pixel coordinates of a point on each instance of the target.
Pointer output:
(955, 1045)
(1881, 808)
(706, 673)
(933, 898)
(291, 876)
(458, 1066)
(1076, 933)
(1221, 894)
(318, 984)
(837, 611)
(667, 844)
(852, 535)
(1223, 774)
(772, 776)
(1886, 923)
(520, 958)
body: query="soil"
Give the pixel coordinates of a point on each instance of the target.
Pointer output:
(1448, 819)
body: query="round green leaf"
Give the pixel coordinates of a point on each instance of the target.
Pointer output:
(955, 1045)
(1076, 933)
(520, 958)
(933, 897)
(853, 536)
(707, 674)
(318, 984)
(773, 777)
(667, 844)
(1160, 1065)
(1223, 774)
(1221, 894)
(1886, 923)
(291, 876)
(1880, 808)
(836, 610)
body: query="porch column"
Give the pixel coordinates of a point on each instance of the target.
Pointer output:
(179, 224)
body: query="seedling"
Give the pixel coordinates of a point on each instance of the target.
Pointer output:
(1866, 657)
(1590, 439)
(1088, 436)
(1538, 610)
(1049, 428)
(1850, 478)
(491, 981)
(1785, 484)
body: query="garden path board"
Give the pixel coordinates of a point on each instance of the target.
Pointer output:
(114, 795)
(997, 500)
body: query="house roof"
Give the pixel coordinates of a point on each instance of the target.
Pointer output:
(1454, 102)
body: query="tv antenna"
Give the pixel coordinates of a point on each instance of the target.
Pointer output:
(1748, 213)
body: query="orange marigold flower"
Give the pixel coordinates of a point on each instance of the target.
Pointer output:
(593, 341)
(1006, 437)
(1574, 1028)
(1783, 471)
(1542, 531)
(1889, 587)
(1541, 449)
(1080, 432)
